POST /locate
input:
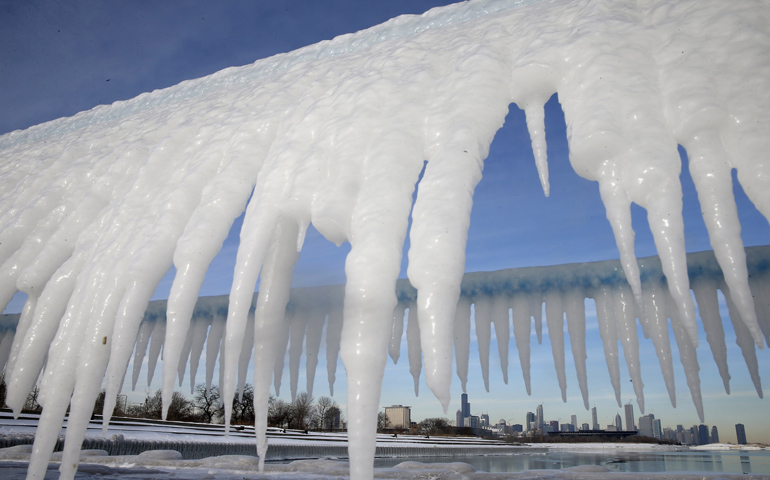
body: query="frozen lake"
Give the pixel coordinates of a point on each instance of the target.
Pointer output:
(757, 462)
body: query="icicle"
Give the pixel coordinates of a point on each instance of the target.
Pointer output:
(21, 379)
(760, 290)
(575, 309)
(688, 356)
(605, 315)
(745, 341)
(715, 194)
(536, 307)
(156, 344)
(142, 340)
(500, 315)
(533, 82)
(200, 327)
(269, 325)
(397, 332)
(312, 347)
(708, 307)
(413, 346)
(298, 321)
(625, 318)
(481, 322)
(184, 358)
(246, 350)
(118, 332)
(618, 211)
(333, 333)
(522, 331)
(282, 346)
(536, 126)
(655, 319)
(222, 199)
(259, 226)
(213, 342)
(462, 340)
(554, 317)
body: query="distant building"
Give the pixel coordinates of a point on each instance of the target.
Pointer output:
(594, 419)
(399, 416)
(530, 422)
(740, 432)
(465, 406)
(703, 434)
(714, 434)
(539, 419)
(645, 425)
(585, 427)
(657, 429)
(473, 421)
(464, 414)
(484, 420)
(554, 424)
(629, 413)
(573, 421)
(618, 423)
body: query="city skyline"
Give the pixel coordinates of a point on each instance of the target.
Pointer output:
(61, 59)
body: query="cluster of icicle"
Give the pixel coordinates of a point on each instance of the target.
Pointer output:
(96, 207)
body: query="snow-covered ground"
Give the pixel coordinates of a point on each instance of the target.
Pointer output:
(164, 463)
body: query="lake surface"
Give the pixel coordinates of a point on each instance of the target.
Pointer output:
(620, 461)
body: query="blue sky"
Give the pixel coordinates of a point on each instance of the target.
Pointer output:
(57, 59)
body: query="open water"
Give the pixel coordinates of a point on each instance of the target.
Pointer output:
(673, 461)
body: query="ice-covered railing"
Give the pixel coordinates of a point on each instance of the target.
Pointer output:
(96, 207)
(504, 298)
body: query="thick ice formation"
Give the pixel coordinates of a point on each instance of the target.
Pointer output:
(96, 207)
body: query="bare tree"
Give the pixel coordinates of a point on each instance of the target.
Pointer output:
(383, 422)
(434, 426)
(180, 409)
(31, 405)
(118, 411)
(278, 413)
(325, 414)
(302, 411)
(243, 407)
(208, 403)
(3, 390)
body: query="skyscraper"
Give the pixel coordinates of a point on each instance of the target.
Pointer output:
(573, 421)
(629, 411)
(714, 434)
(703, 434)
(740, 432)
(594, 419)
(464, 405)
(618, 423)
(539, 420)
(657, 429)
(645, 425)
(529, 424)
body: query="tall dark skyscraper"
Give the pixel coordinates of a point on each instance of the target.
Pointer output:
(465, 407)
(703, 434)
(740, 432)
